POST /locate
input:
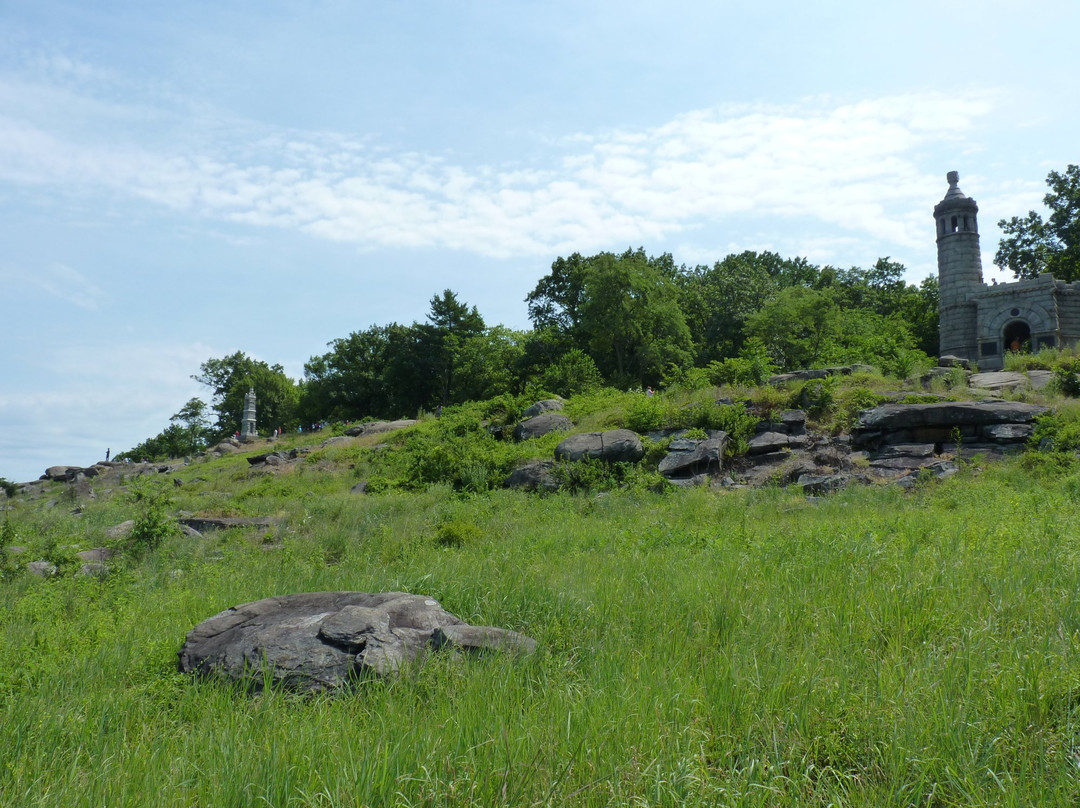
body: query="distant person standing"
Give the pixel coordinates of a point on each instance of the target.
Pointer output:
(107, 453)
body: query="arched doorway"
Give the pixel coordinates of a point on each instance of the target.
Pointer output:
(1018, 337)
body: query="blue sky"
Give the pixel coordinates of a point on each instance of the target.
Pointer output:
(179, 181)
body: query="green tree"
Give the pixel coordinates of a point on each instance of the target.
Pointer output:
(1033, 245)
(487, 364)
(718, 300)
(192, 418)
(450, 325)
(232, 376)
(632, 320)
(797, 325)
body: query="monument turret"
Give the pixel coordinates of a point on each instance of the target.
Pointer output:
(959, 271)
(248, 430)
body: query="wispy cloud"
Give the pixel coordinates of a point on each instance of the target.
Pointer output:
(849, 165)
(58, 280)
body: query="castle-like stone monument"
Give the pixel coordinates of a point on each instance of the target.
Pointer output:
(981, 322)
(248, 431)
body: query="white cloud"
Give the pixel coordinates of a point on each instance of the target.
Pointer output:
(57, 280)
(847, 165)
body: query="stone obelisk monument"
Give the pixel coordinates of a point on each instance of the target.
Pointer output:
(248, 431)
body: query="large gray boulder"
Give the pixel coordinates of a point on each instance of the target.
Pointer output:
(324, 641)
(539, 425)
(547, 405)
(378, 427)
(948, 413)
(611, 446)
(692, 458)
(533, 476)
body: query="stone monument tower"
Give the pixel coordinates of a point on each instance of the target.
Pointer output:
(959, 271)
(248, 431)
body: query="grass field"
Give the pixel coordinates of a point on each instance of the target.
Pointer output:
(697, 648)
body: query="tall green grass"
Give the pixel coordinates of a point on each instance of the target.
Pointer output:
(701, 648)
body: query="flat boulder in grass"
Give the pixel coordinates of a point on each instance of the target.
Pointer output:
(611, 446)
(533, 476)
(324, 641)
(540, 425)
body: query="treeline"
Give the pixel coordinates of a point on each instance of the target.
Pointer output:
(626, 321)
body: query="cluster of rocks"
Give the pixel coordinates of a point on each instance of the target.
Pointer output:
(325, 641)
(893, 442)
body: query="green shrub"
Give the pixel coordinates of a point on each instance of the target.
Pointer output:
(646, 414)
(8, 487)
(454, 533)
(8, 537)
(153, 523)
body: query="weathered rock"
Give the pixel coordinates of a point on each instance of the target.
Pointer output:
(999, 380)
(324, 641)
(1008, 433)
(42, 569)
(950, 361)
(204, 523)
(689, 458)
(817, 484)
(97, 554)
(360, 488)
(93, 569)
(273, 458)
(799, 376)
(121, 530)
(612, 446)
(378, 427)
(768, 442)
(534, 476)
(481, 638)
(547, 405)
(540, 425)
(899, 423)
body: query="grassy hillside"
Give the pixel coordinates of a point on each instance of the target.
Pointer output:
(697, 647)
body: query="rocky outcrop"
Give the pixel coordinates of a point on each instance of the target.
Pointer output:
(819, 373)
(997, 423)
(612, 446)
(325, 641)
(202, 524)
(378, 427)
(539, 425)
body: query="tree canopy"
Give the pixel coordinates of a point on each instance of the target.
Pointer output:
(1033, 245)
(625, 320)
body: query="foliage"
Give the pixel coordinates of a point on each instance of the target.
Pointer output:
(230, 378)
(590, 476)
(8, 537)
(753, 366)
(153, 521)
(624, 309)
(8, 487)
(571, 374)
(1033, 245)
(875, 647)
